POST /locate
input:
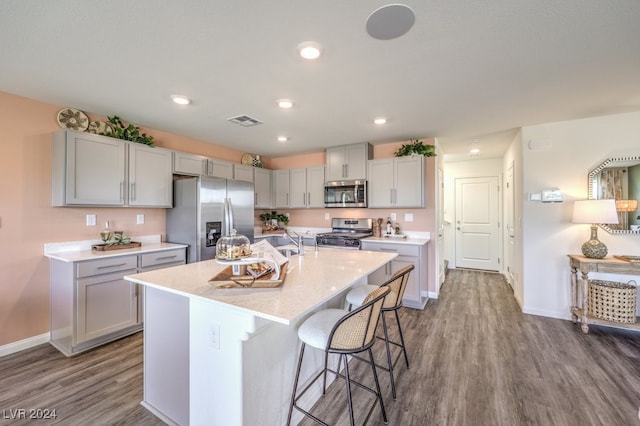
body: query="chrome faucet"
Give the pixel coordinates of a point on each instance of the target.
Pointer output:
(299, 243)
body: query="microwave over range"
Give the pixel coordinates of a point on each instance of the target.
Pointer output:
(345, 193)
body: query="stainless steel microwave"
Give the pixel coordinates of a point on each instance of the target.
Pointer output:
(345, 193)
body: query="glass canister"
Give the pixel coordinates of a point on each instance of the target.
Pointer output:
(233, 247)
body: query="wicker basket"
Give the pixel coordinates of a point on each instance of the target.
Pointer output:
(612, 301)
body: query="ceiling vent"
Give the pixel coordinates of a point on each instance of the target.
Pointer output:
(244, 120)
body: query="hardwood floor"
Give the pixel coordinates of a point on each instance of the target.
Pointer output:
(475, 360)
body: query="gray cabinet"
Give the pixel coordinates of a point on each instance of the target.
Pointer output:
(348, 162)
(243, 172)
(262, 187)
(219, 168)
(281, 188)
(306, 187)
(416, 293)
(396, 182)
(189, 164)
(95, 170)
(92, 303)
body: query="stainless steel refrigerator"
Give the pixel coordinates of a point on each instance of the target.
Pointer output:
(204, 209)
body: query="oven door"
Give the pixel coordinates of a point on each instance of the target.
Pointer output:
(345, 193)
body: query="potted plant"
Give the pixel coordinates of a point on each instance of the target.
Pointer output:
(128, 133)
(270, 220)
(416, 147)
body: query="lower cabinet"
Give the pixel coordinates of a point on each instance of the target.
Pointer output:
(416, 293)
(92, 303)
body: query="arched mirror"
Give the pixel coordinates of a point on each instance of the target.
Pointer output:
(619, 178)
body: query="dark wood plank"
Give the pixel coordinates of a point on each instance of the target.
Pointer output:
(475, 360)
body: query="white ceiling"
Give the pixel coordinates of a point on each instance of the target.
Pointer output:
(466, 70)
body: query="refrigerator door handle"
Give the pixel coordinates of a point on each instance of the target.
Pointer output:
(228, 215)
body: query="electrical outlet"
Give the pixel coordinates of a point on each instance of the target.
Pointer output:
(214, 336)
(140, 218)
(91, 220)
(393, 217)
(327, 216)
(408, 217)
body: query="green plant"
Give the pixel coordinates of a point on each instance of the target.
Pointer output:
(416, 147)
(128, 132)
(266, 217)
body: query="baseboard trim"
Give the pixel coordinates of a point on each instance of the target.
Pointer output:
(21, 345)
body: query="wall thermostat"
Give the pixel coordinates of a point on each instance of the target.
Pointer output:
(552, 195)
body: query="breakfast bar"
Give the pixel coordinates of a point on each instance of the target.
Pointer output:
(227, 356)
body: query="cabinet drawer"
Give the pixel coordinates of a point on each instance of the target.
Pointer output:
(106, 266)
(162, 257)
(401, 249)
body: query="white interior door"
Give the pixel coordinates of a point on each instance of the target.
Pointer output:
(477, 223)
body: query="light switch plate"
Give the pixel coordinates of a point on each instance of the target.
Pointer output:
(393, 217)
(408, 217)
(140, 218)
(91, 220)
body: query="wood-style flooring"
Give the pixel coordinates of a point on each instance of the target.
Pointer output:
(475, 359)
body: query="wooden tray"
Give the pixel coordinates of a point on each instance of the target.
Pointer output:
(225, 279)
(105, 247)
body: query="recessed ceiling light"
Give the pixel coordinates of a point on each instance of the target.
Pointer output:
(309, 50)
(474, 151)
(285, 103)
(180, 100)
(380, 120)
(282, 138)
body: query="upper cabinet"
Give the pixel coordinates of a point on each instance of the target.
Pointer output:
(396, 182)
(220, 168)
(348, 161)
(306, 186)
(281, 188)
(262, 179)
(189, 164)
(89, 169)
(243, 172)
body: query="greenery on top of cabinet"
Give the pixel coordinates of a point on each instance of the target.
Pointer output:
(416, 147)
(128, 133)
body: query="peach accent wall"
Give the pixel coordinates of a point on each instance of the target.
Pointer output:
(27, 220)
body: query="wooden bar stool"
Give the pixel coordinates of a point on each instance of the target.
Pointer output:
(392, 303)
(337, 331)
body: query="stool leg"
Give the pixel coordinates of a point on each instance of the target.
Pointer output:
(324, 379)
(295, 385)
(389, 361)
(404, 349)
(378, 394)
(348, 383)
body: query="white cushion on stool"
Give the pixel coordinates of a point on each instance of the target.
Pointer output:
(357, 295)
(315, 330)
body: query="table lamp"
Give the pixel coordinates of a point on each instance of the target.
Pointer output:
(594, 212)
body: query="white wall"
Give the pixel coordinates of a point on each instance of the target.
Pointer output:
(547, 232)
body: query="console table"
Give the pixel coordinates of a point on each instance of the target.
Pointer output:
(580, 288)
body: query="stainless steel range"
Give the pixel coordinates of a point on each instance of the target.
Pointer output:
(346, 233)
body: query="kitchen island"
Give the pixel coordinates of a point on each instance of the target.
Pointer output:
(227, 356)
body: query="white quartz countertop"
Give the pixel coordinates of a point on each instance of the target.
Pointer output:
(394, 240)
(88, 254)
(311, 281)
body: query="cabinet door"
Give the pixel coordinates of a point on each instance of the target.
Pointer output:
(298, 188)
(408, 180)
(262, 178)
(380, 183)
(219, 168)
(356, 161)
(281, 188)
(189, 164)
(105, 304)
(243, 172)
(95, 170)
(336, 163)
(315, 187)
(412, 291)
(150, 177)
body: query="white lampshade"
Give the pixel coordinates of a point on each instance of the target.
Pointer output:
(595, 211)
